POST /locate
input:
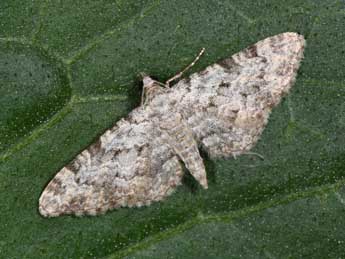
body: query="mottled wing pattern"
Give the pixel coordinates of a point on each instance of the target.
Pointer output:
(224, 109)
(175, 131)
(228, 104)
(130, 165)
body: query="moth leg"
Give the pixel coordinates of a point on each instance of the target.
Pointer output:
(142, 97)
(167, 83)
(254, 154)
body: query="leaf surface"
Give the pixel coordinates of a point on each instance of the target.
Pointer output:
(69, 70)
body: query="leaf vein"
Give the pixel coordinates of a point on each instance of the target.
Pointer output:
(91, 45)
(229, 217)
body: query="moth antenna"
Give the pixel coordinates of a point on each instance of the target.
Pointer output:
(184, 70)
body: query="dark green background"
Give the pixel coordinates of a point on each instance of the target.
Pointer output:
(69, 70)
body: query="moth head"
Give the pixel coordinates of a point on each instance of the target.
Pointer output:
(147, 80)
(150, 88)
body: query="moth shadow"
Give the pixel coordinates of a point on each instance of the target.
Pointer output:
(134, 92)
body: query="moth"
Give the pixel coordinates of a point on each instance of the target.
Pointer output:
(221, 110)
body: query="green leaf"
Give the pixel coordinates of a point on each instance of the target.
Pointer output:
(69, 70)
